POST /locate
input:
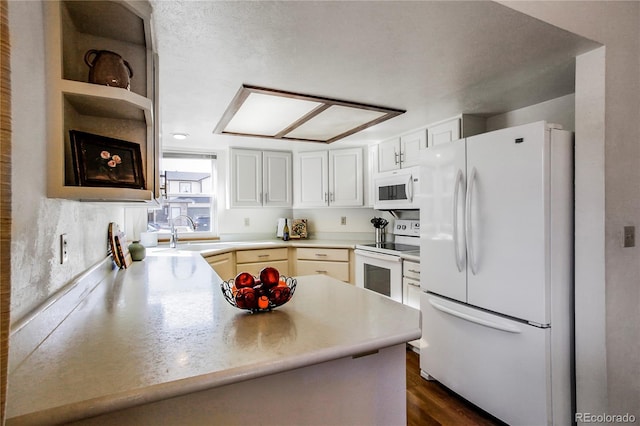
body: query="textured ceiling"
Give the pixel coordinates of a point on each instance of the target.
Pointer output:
(432, 59)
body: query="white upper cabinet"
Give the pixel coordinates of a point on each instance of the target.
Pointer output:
(312, 179)
(444, 132)
(113, 118)
(389, 155)
(260, 178)
(401, 152)
(329, 178)
(462, 126)
(346, 178)
(410, 146)
(276, 178)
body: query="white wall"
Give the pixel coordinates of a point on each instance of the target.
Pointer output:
(558, 111)
(607, 197)
(38, 221)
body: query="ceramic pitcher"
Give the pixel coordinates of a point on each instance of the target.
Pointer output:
(108, 68)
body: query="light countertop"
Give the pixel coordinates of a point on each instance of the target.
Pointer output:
(207, 248)
(162, 328)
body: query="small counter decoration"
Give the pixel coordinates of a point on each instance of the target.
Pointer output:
(259, 294)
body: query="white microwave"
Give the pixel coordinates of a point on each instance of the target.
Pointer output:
(396, 190)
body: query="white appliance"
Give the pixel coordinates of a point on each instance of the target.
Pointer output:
(396, 190)
(379, 266)
(496, 271)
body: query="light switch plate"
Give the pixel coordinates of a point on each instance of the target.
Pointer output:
(629, 236)
(64, 249)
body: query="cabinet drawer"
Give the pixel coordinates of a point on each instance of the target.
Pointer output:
(411, 270)
(338, 270)
(262, 255)
(340, 255)
(254, 268)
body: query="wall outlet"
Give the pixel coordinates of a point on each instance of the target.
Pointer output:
(246, 221)
(343, 220)
(64, 249)
(629, 236)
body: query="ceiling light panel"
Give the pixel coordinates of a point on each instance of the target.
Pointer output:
(268, 113)
(332, 122)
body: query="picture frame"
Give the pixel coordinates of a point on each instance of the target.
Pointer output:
(106, 162)
(299, 229)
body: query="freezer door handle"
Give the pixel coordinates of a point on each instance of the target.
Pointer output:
(459, 183)
(498, 325)
(468, 222)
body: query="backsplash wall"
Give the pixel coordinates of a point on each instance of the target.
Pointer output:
(37, 221)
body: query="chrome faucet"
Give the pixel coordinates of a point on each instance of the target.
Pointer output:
(173, 241)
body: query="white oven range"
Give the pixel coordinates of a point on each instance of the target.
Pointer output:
(379, 266)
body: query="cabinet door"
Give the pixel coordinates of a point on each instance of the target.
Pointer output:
(223, 265)
(410, 146)
(389, 155)
(345, 178)
(443, 132)
(311, 179)
(276, 180)
(246, 178)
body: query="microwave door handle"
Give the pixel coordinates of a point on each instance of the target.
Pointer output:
(410, 189)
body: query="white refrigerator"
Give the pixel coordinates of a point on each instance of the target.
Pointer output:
(496, 256)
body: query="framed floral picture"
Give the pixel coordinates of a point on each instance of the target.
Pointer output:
(299, 228)
(103, 161)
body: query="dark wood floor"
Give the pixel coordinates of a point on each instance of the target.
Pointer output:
(429, 403)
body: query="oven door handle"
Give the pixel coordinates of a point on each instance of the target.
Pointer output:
(372, 255)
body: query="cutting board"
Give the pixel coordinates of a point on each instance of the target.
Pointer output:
(119, 248)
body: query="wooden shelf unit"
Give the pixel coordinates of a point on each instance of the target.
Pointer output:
(72, 28)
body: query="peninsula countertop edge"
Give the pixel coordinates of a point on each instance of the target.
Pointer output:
(162, 328)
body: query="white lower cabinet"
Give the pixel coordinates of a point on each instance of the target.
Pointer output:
(326, 261)
(223, 264)
(329, 178)
(411, 284)
(253, 261)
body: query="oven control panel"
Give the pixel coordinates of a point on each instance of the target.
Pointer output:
(410, 228)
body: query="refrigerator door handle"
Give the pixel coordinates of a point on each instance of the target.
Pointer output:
(456, 246)
(468, 222)
(502, 326)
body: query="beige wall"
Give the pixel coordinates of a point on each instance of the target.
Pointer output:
(38, 221)
(616, 281)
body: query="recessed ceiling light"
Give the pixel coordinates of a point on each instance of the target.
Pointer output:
(180, 136)
(268, 113)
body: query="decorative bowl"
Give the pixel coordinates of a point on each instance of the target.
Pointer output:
(258, 298)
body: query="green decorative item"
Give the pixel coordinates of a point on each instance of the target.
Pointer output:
(137, 250)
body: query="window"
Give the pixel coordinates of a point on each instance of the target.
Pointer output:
(189, 184)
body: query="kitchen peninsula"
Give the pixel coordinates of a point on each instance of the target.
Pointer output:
(157, 343)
